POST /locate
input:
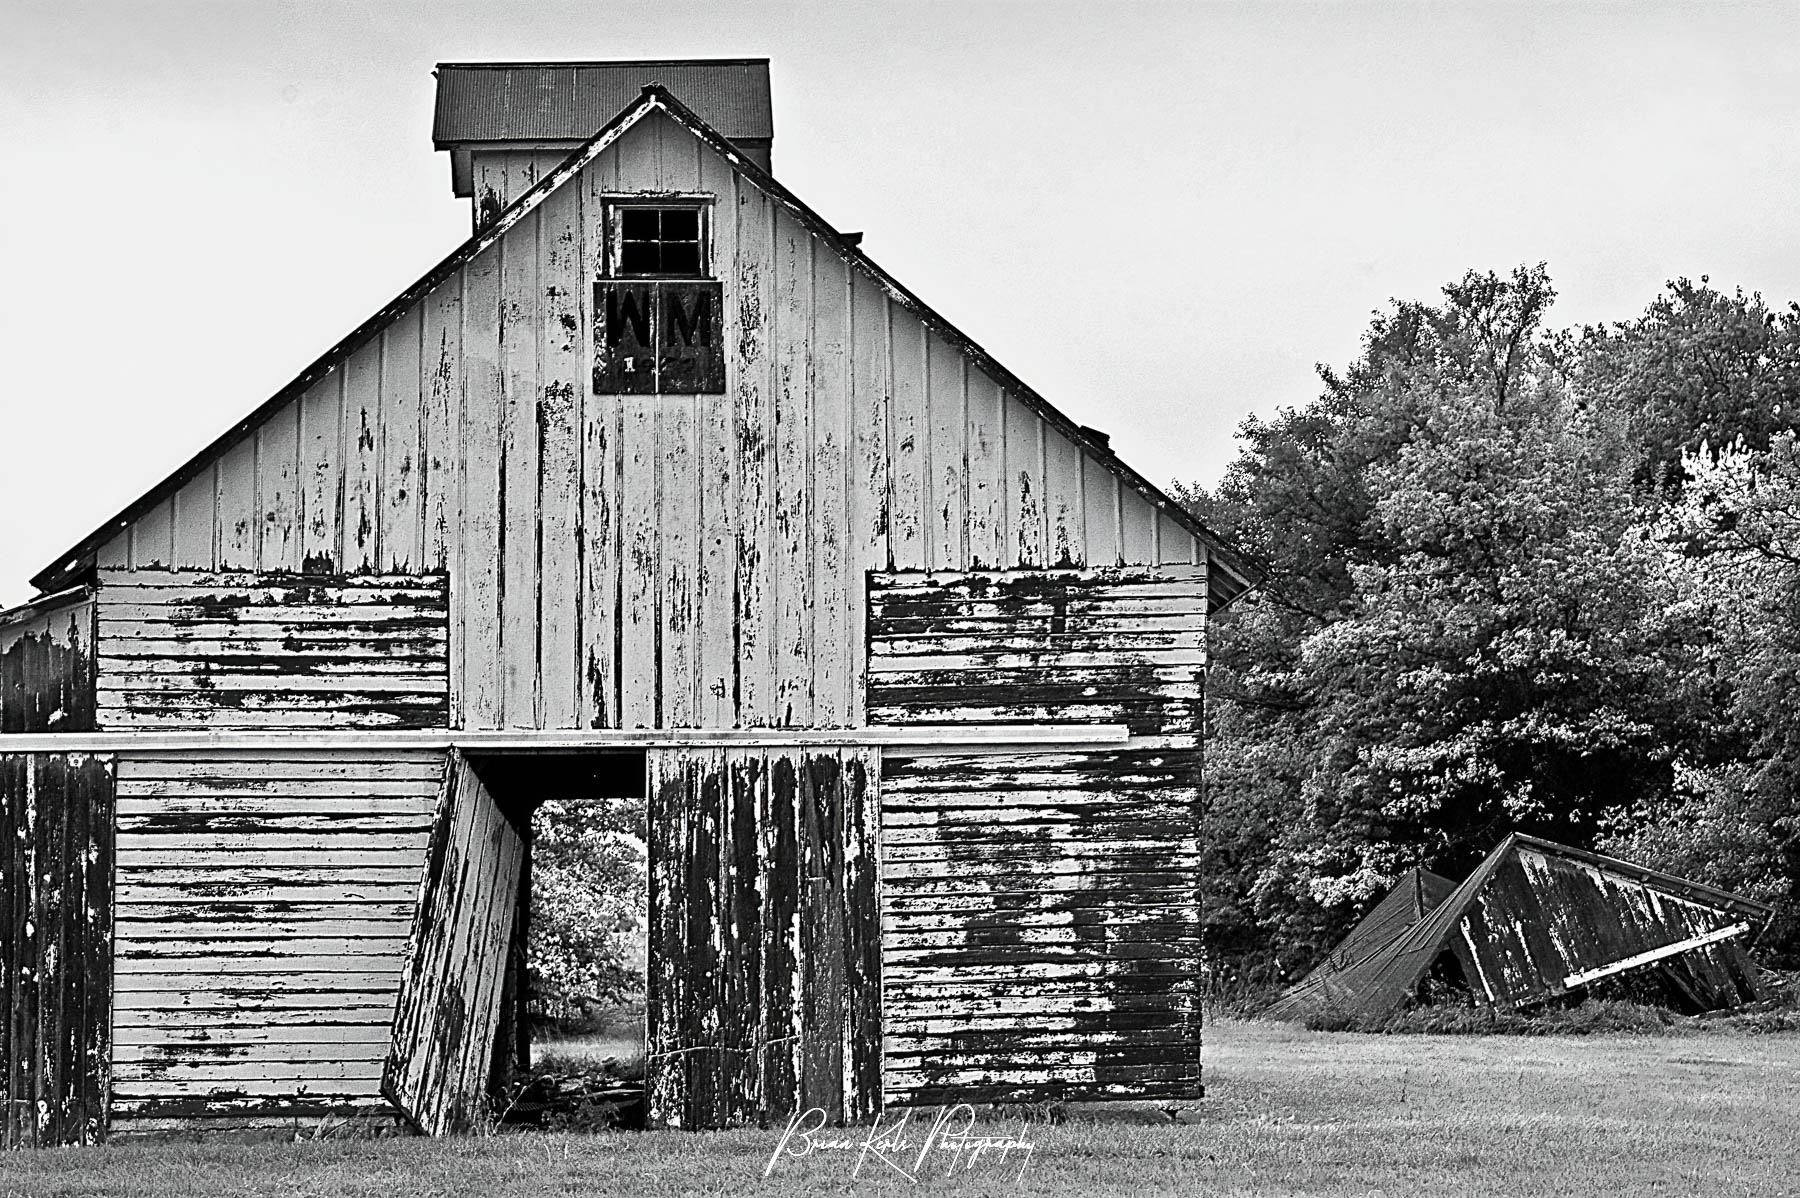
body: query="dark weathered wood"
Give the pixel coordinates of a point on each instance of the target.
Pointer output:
(764, 987)
(1040, 921)
(1547, 914)
(191, 649)
(47, 668)
(55, 946)
(441, 1053)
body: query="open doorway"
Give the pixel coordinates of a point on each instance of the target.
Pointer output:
(569, 1048)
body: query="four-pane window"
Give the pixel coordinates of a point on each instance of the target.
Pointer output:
(660, 242)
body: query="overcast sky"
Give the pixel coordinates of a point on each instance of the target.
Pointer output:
(1159, 215)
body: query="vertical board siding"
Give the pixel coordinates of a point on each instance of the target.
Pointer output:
(56, 926)
(47, 670)
(764, 984)
(1040, 917)
(438, 1059)
(264, 903)
(645, 561)
(246, 650)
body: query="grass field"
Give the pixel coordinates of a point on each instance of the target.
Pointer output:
(1288, 1112)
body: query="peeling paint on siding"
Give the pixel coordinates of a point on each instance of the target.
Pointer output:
(56, 844)
(189, 649)
(264, 902)
(1040, 920)
(765, 982)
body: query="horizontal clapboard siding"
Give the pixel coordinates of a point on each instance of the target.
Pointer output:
(187, 649)
(1040, 919)
(263, 907)
(1118, 645)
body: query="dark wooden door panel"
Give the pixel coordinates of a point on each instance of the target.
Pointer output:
(764, 979)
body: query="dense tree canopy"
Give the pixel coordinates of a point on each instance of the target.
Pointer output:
(1509, 590)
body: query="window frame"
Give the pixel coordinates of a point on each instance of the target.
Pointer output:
(617, 203)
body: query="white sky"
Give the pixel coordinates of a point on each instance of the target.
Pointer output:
(1160, 215)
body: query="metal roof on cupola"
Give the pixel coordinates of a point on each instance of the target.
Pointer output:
(490, 106)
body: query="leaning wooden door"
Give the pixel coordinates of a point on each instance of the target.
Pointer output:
(442, 1049)
(765, 946)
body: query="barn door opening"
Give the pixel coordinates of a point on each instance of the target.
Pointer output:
(531, 916)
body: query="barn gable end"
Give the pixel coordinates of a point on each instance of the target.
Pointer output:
(666, 560)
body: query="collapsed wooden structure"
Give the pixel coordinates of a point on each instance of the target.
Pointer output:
(1536, 920)
(658, 470)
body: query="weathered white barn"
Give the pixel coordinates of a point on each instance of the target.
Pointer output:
(662, 475)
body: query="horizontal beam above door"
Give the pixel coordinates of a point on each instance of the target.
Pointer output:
(937, 738)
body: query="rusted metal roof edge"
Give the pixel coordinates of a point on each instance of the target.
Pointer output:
(1220, 552)
(31, 609)
(1681, 887)
(70, 564)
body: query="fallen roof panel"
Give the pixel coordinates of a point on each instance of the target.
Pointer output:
(1534, 920)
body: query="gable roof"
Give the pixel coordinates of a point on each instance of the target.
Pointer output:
(1376, 983)
(1230, 575)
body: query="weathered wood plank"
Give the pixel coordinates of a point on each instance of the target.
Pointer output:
(272, 650)
(795, 585)
(834, 591)
(563, 364)
(448, 1005)
(360, 533)
(277, 513)
(765, 952)
(56, 966)
(754, 584)
(401, 447)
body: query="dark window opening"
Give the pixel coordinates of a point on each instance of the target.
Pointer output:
(660, 242)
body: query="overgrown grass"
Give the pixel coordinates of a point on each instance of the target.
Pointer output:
(1289, 1111)
(1590, 1016)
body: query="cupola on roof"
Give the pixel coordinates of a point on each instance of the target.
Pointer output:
(558, 105)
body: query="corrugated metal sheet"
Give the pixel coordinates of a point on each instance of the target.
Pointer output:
(765, 972)
(569, 101)
(264, 904)
(1040, 917)
(441, 1054)
(1350, 969)
(186, 649)
(1533, 918)
(56, 927)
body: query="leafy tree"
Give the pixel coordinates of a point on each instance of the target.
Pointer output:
(589, 879)
(1463, 632)
(1733, 553)
(1698, 365)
